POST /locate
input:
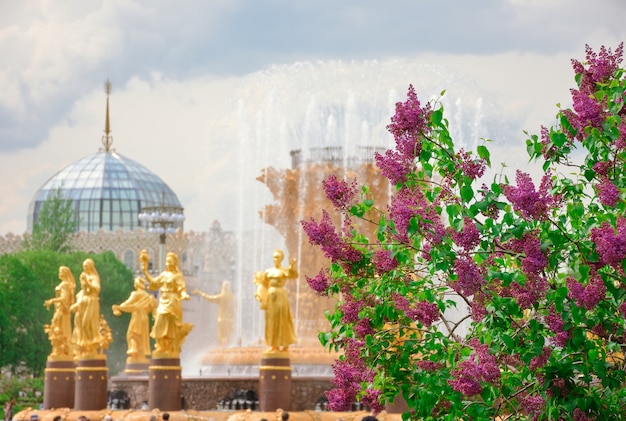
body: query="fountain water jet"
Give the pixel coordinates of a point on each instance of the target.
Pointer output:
(326, 117)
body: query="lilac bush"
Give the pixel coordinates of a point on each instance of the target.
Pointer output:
(486, 301)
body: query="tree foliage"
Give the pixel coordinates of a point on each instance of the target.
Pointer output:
(55, 225)
(27, 279)
(23, 343)
(478, 300)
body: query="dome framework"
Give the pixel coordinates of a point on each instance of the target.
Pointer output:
(107, 191)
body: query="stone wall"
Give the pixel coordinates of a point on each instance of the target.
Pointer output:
(202, 393)
(207, 254)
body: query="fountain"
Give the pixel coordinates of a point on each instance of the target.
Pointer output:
(294, 125)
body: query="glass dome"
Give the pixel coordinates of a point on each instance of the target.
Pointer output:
(107, 191)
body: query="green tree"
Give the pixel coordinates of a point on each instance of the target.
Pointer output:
(23, 343)
(55, 225)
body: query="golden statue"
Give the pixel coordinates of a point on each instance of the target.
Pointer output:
(271, 293)
(138, 304)
(87, 337)
(225, 313)
(106, 335)
(168, 331)
(60, 328)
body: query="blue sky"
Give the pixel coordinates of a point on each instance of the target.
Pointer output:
(191, 77)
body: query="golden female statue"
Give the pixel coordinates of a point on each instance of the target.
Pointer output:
(60, 328)
(225, 312)
(168, 331)
(139, 304)
(279, 328)
(86, 336)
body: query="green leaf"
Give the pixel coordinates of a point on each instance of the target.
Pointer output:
(559, 139)
(453, 210)
(483, 152)
(437, 116)
(467, 193)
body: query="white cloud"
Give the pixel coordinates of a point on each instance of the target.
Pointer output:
(52, 51)
(174, 115)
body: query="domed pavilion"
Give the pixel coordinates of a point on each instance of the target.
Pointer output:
(108, 190)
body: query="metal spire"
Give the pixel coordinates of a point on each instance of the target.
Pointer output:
(107, 139)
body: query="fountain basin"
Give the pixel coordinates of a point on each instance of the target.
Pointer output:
(204, 393)
(193, 415)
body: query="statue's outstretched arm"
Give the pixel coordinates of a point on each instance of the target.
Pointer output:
(292, 271)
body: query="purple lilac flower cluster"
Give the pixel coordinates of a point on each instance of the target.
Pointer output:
(468, 237)
(602, 65)
(480, 367)
(528, 293)
(469, 276)
(588, 111)
(586, 296)
(556, 324)
(409, 203)
(349, 372)
(404, 207)
(363, 327)
(607, 191)
(478, 305)
(426, 313)
(534, 260)
(427, 365)
(320, 282)
(350, 307)
(611, 245)
(542, 359)
(602, 167)
(383, 261)
(371, 399)
(408, 125)
(323, 234)
(472, 168)
(531, 203)
(393, 167)
(580, 415)
(423, 312)
(341, 399)
(341, 193)
(533, 404)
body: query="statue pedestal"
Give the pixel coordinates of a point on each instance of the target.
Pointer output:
(397, 406)
(164, 384)
(275, 382)
(58, 390)
(136, 366)
(91, 383)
